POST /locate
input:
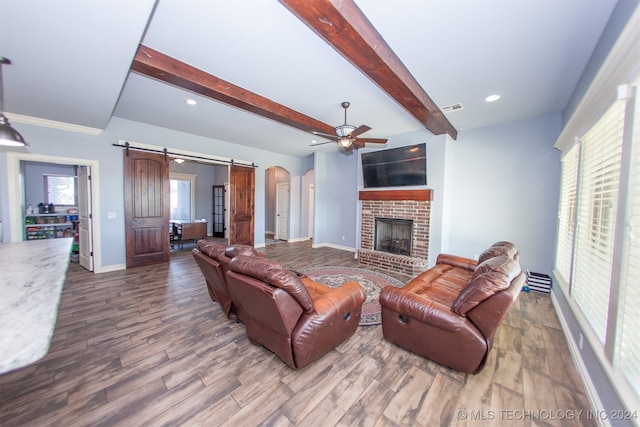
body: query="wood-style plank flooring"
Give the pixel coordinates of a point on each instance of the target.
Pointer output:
(147, 346)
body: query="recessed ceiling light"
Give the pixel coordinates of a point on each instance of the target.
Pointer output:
(492, 98)
(191, 101)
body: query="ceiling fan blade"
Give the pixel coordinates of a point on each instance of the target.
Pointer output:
(321, 143)
(373, 140)
(326, 135)
(357, 143)
(360, 130)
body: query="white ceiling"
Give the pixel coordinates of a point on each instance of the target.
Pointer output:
(71, 59)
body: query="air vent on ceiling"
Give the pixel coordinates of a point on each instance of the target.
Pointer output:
(451, 108)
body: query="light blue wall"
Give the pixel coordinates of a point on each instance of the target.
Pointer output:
(505, 187)
(308, 179)
(336, 199)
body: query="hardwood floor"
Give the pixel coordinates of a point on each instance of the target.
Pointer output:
(147, 346)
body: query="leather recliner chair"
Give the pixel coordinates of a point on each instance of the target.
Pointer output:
(295, 317)
(213, 259)
(450, 312)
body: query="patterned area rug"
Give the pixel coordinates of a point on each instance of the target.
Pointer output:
(371, 281)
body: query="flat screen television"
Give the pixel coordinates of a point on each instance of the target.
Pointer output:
(395, 167)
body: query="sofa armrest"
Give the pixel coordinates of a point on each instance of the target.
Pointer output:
(349, 296)
(421, 308)
(457, 261)
(335, 318)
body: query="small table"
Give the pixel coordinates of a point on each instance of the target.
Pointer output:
(188, 230)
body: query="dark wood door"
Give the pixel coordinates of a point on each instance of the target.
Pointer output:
(241, 204)
(146, 184)
(218, 211)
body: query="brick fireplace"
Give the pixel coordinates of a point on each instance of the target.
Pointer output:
(407, 205)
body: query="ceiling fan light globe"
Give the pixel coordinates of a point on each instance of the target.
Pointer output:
(344, 131)
(344, 142)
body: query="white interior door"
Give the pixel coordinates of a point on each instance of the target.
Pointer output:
(84, 217)
(282, 211)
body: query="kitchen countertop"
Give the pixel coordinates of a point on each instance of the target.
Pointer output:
(32, 275)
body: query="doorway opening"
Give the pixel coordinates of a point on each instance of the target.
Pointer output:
(28, 185)
(198, 192)
(277, 205)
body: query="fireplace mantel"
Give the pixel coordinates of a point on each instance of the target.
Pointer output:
(421, 195)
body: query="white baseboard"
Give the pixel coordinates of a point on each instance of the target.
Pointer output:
(331, 245)
(110, 268)
(589, 387)
(298, 239)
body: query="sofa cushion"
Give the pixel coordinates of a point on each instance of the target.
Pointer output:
(490, 277)
(235, 250)
(291, 283)
(497, 249)
(255, 267)
(212, 249)
(500, 264)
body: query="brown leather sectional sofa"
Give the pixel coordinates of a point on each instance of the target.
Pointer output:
(450, 312)
(295, 317)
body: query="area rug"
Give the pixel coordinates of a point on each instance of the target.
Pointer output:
(371, 281)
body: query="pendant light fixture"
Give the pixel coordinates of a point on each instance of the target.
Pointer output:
(8, 135)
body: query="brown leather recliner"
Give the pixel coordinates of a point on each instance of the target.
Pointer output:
(294, 317)
(213, 259)
(450, 312)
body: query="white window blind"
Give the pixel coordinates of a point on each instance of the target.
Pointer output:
(567, 214)
(596, 213)
(628, 336)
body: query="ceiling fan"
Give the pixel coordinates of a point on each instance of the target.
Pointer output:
(347, 135)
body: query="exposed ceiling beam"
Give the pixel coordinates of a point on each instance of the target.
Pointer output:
(343, 25)
(152, 63)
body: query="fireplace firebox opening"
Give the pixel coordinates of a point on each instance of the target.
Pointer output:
(393, 235)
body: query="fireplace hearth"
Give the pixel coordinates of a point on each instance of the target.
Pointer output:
(393, 236)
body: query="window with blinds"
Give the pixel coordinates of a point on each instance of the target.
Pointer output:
(628, 334)
(567, 214)
(596, 214)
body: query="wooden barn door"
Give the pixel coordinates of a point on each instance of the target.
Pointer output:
(241, 204)
(146, 191)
